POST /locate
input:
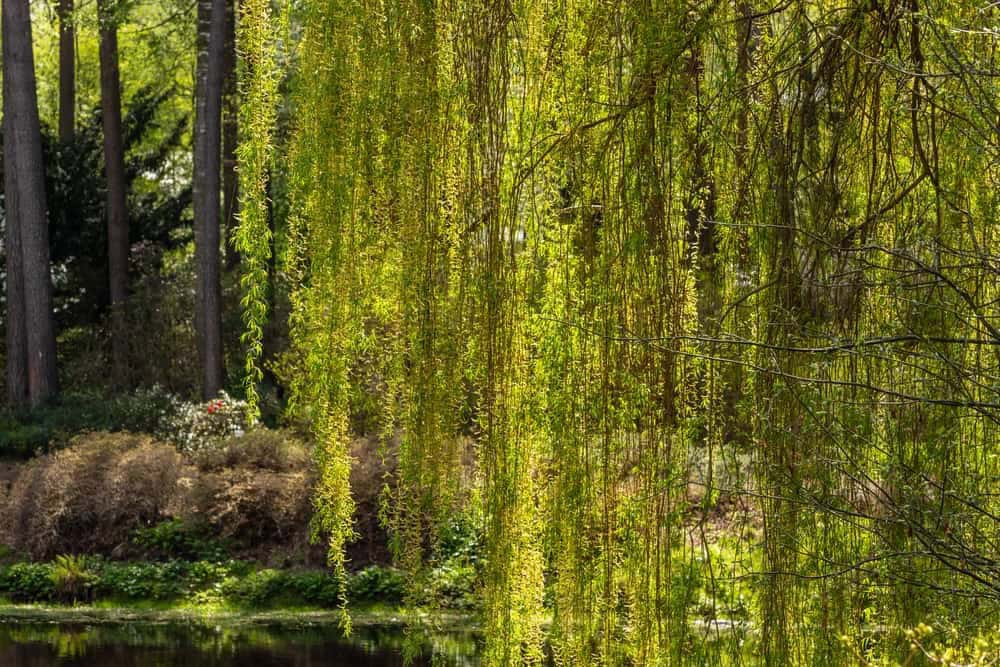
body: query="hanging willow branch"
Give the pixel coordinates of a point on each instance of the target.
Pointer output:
(704, 292)
(259, 78)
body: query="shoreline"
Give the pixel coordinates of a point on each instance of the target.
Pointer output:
(396, 618)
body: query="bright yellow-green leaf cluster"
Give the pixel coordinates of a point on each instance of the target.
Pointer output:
(700, 295)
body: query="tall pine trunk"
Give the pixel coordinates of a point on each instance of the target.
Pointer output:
(207, 170)
(31, 369)
(114, 167)
(17, 344)
(67, 71)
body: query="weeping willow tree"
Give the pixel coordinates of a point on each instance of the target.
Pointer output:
(705, 290)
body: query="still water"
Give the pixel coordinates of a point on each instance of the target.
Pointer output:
(31, 644)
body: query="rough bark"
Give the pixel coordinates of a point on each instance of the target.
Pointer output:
(17, 350)
(207, 209)
(114, 167)
(67, 71)
(27, 211)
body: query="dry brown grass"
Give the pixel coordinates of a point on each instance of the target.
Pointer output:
(254, 491)
(262, 449)
(90, 496)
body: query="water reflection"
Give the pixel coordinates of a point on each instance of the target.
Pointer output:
(196, 645)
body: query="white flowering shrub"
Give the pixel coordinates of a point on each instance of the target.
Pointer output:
(197, 426)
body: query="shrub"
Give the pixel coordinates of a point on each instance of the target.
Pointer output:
(270, 587)
(264, 449)
(452, 584)
(252, 506)
(147, 410)
(88, 498)
(191, 427)
(254, 589)
(255, 491)
(175, 539)
(28, 582)
(144, 581)
(121, 495)
(24, 434)
(316, 588)
(197, 426)
(72, 578)
(375, 583)
(171, 580)
(22, 441)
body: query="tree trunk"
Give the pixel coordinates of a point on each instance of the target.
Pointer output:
(67, 71)
(230, 138)
(114, 167)
(17, 345)
(207, 168)
(27, 223)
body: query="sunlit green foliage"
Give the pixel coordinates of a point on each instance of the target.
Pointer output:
(156, 52)
(662, 263)
(258, 110)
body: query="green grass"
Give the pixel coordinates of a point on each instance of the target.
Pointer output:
(151, 611)
(198, 583)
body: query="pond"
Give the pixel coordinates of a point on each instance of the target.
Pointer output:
(133, 644)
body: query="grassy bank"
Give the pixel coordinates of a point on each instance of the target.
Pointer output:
(147, 612)
(223, 585)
